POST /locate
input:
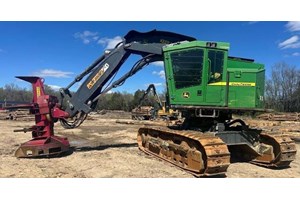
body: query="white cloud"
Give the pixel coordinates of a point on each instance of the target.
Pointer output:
(53, 73)
(87, 36)
(296, 54)
(55, 87)
(295, 45)
(158, 84)
(161, 74)
(158, 63)
(155, 84)
(291, 43)
(110, 43)
(293, 26)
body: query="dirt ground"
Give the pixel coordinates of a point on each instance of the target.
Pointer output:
(104, 148)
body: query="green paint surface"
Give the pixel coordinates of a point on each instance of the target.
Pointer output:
(201, 73)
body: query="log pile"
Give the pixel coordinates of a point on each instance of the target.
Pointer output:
(19, 114)
(280, 116)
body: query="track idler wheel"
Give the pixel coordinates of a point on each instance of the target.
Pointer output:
(281, 151)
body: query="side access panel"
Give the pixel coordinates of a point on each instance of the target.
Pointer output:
(245, 89)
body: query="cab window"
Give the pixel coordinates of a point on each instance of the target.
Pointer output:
(215, 64)
(187, 67)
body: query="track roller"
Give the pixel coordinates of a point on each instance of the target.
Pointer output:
(198, 154)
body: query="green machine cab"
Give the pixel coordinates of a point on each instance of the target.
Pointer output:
(201, 75)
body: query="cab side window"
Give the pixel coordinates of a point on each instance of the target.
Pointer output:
(215, 62)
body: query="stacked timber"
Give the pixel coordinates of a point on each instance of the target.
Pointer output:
(19, 114)
(112, 114)
(3, 114)
(280, 116)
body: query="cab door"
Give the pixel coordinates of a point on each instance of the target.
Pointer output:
(216, 82)
(184, 73)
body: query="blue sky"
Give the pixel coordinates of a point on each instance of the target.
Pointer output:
(59, 51)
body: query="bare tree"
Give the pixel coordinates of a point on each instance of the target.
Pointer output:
(282, 87)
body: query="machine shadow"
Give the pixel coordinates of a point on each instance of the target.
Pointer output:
(102, 147)
(235, 159)
(214, 176)
(87, 148)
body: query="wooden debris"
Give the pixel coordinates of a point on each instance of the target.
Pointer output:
(19, 115)
(280, 116)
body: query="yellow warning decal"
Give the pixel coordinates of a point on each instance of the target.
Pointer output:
(239, 84)
(38, 91)
(97, 76)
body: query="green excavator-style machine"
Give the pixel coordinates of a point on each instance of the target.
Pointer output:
(203, 82)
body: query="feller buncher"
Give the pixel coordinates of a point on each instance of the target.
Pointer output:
(203, 82)
(167, 113)
(159, 110)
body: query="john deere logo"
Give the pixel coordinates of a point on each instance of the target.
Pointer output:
(186, 95)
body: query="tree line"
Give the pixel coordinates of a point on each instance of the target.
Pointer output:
(282, 92)
(111, 101)
(12, 92)
(125, 101)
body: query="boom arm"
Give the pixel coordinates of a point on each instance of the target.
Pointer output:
(148, 45)
(151, 87)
